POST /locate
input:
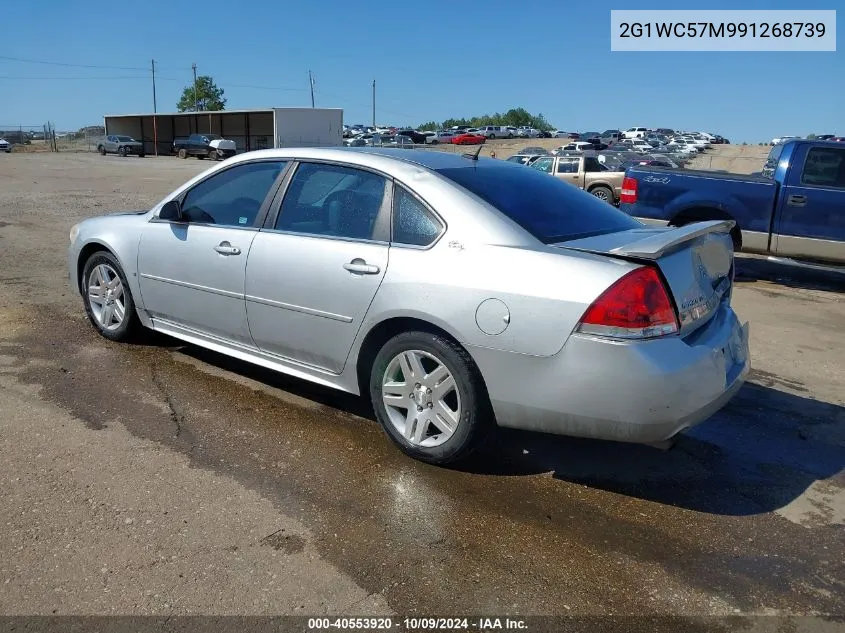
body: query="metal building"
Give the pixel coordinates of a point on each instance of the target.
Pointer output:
(250, 129)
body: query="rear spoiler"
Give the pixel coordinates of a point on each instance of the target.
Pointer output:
(655, 246)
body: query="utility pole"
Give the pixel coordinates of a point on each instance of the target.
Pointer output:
(311, 81)
(194, 67)
(154, 85)
(155, 109)
(374, 102)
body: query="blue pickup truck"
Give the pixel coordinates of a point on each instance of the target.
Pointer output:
(794, 209)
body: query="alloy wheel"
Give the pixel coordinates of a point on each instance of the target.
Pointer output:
(105, 295)
(421, 398)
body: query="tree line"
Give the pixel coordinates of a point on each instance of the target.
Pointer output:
(515, 117)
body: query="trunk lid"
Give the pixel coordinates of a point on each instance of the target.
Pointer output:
(696, 260)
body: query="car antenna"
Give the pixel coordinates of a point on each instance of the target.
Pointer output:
(474, 156)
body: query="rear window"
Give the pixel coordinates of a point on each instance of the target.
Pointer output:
(548, 208)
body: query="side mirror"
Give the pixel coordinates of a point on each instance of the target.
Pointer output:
(171, 211)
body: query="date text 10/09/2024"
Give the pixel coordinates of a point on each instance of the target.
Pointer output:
(418, 624)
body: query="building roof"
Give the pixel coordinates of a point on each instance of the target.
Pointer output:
(206, 112)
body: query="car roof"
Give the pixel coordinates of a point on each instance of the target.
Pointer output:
(374, 157)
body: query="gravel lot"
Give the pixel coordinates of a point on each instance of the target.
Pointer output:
(163, 479)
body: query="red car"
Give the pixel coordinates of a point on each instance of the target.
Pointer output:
(468, 138)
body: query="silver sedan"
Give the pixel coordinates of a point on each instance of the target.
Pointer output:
(454, 292)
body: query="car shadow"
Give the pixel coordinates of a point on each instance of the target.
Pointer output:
(757, 454)
(751, 269)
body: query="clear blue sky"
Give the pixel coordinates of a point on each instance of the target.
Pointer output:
(431, 60)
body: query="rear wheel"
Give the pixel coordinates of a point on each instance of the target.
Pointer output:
(603, 193)
(428, 396)
(108, 300)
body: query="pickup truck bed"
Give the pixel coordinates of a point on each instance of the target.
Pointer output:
(796, 210)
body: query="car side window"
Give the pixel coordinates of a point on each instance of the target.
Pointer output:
(567, 166)
(332, 200)
(413, 224)
(824, 167)
(591, 164)
(543, 164)
(233, 196)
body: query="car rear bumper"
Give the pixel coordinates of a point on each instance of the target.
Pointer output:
(645, 391)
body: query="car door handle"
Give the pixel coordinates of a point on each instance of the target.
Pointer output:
(224, 248)
(796, 201)
(361, 267)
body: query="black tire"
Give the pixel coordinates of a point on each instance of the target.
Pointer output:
(510, 135)
(736, 237)
(131, 326)
(212, 154)
(122, 151)
(492, 136)
(476, 415)
(603, 193)
(102, 150)
(183, 153)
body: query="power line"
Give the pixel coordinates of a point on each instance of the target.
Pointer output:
(22, 77)
(49, 63)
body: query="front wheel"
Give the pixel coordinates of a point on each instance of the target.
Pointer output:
(102, 150)
(108, 300)
(183, 153)
(428, 396)
(122, 151)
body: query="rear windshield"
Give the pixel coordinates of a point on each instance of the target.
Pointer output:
(774, 155)
(548, 208)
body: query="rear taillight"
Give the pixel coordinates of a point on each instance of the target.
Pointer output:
(629, 190)
(637, 306)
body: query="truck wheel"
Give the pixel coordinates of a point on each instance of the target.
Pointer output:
(212, 154)
(122, 151)
(183, 153)
(492, 136)
(102, 150)
(603, 193)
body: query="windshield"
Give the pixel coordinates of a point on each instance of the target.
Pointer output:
(125, 139)
(548, 208)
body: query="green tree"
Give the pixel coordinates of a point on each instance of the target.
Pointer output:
(515, 117)
(208, 96)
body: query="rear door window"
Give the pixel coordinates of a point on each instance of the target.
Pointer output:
(413, 223)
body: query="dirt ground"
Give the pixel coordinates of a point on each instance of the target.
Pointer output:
(161, 479)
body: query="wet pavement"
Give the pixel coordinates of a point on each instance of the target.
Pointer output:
(744, 514)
